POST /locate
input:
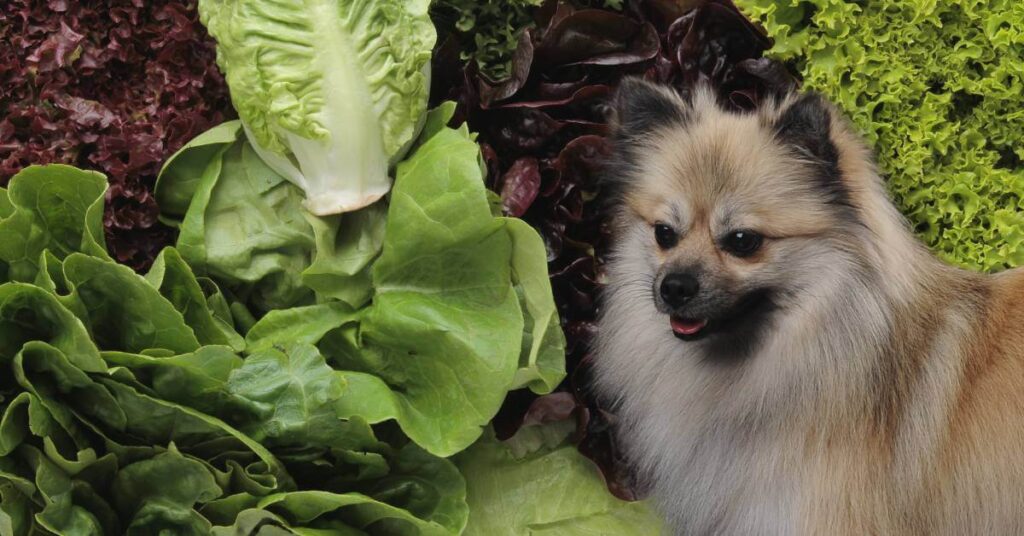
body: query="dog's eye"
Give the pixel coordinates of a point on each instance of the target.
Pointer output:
(742, 243)
(665, 235)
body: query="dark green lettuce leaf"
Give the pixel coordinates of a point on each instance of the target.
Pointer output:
(124, 310)
(158, 494)
(174, 279)
(29, 313)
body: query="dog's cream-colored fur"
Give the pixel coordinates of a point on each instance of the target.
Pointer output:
(886, 395)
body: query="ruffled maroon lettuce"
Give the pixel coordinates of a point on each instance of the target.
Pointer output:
(111, 86)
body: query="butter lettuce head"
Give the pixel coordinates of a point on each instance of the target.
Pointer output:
(434, 307)
(129, 403)
(937, 88)
(330, 92)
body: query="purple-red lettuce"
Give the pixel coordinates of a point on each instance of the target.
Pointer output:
(110, 86)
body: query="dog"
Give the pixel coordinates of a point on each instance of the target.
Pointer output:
(784, 356)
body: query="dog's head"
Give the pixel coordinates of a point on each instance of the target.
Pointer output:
(727, 217)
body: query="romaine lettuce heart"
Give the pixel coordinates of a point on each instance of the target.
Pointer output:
(331, 92)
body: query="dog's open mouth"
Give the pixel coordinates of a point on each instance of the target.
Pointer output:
(741, 322)
(688, 329)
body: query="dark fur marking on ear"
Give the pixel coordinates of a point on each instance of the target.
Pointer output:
(641, 107)
(638, 108)
(806, 126)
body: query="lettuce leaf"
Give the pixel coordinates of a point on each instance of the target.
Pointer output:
(537, 483)
(243, 224)
(331, 92)
(446, 310)
(56, 208)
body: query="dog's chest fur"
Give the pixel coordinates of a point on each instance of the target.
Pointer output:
(723, 478)
(808, 436)
(718, 468)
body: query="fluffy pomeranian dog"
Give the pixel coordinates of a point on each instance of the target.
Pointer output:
(784, 356)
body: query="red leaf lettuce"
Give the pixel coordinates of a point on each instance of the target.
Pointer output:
(110, 86)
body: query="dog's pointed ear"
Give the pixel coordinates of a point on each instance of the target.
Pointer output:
(806, 125)
(640, 107)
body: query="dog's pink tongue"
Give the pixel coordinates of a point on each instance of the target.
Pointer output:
(687, 327)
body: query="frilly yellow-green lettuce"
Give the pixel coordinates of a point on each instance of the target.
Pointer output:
(937, 89)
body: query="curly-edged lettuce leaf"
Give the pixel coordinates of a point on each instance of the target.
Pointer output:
(284, 396)
(69, 435)
(29, 313)
(936, 88)
(87, 454)
(331, 92)
(422, 496)
(291, 401)
(538, 483)
(159, 493)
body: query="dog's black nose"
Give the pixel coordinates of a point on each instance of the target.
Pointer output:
(677, 289)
